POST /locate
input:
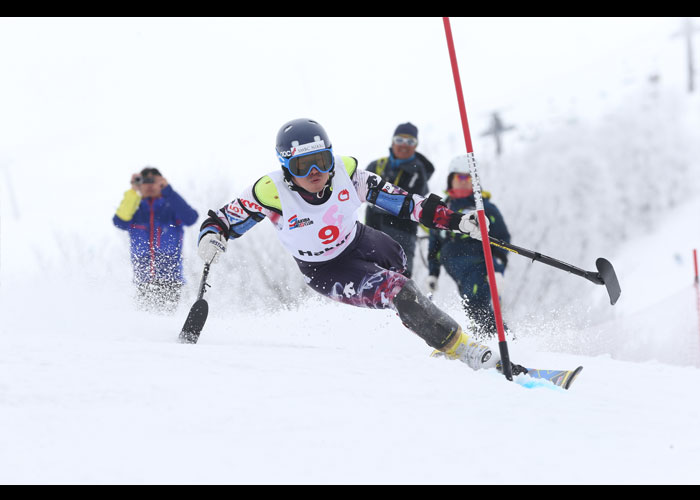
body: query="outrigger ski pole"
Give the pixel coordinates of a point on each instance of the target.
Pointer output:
(198, 313)
(605, 275)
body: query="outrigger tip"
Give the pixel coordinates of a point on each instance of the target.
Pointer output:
(609, 278)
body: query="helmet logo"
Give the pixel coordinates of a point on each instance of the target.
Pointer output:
(300, 149)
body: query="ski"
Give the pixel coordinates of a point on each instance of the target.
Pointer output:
(560, 378)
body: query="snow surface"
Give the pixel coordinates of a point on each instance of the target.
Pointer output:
(287, 387)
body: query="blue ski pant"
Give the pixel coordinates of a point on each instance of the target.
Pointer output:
(369, 273)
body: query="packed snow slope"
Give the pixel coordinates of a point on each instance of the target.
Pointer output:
(288, 387)
(95, 393)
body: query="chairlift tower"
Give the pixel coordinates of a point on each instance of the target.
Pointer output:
(497, 129)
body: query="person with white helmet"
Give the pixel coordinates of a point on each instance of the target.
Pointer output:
(462, 256)
(313, 202)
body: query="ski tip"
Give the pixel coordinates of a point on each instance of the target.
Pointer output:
(194, 323)
(559, 378)
(571, 377)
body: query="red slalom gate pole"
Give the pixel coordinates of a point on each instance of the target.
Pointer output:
(502, 345)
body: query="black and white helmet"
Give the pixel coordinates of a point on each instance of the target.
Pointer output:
(303, 145)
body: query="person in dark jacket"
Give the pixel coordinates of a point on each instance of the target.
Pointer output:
(409, 170)
(154, 216)
(463, 257)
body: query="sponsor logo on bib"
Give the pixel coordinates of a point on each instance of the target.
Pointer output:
(295, 222)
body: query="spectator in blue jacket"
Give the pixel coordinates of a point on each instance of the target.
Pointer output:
(463, 257)
(154, 216)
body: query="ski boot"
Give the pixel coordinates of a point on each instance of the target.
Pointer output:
(473, 354)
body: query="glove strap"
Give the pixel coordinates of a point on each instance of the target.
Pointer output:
(213, 220)
(455, 219)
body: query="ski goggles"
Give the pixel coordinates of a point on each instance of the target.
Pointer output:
(408, 141)
(301, 165)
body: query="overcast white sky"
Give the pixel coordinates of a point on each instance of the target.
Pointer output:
(194, 92)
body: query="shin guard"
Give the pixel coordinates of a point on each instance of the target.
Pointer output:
(423, 318)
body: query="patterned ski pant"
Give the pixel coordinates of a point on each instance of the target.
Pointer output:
(369, 273)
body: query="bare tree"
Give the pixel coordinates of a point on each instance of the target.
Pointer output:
(687, 30)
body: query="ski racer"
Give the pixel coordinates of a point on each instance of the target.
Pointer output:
(313, 202)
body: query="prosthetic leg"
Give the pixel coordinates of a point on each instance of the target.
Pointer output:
(440, 331)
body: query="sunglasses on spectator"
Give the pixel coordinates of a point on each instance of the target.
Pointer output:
(463, 177)
(144, 180)
(409, 141)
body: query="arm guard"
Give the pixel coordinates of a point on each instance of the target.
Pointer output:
(393, 199)
(238, 227)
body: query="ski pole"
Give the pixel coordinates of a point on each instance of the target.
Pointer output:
(605, 275)
(203, 283)
(502, 345)
(198, 313)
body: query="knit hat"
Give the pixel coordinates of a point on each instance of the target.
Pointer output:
(408, 129)
(149, 170)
